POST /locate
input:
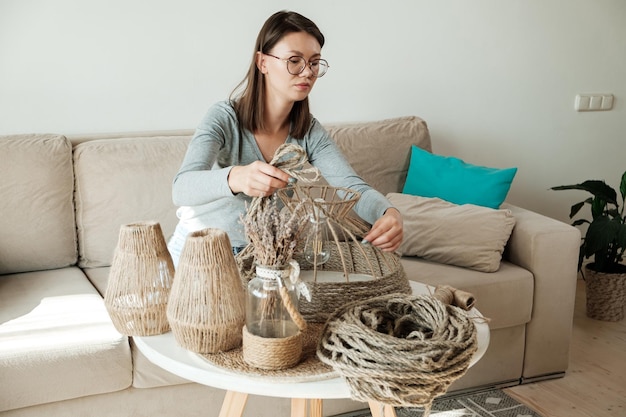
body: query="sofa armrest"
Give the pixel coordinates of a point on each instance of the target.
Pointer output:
(547, 248)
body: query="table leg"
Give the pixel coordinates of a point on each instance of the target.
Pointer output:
(301, 407)
(381, 410)
(315, 407)
(233, 404)
(298, 407)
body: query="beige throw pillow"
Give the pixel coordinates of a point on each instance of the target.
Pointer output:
(464, 235)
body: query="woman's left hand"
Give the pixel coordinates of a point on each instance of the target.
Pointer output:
(386, 233)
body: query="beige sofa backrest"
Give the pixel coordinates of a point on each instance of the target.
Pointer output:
(37, 228)
(380, 151)
(120, 181)
(124, 178)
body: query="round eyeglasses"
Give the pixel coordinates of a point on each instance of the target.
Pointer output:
(297, 64)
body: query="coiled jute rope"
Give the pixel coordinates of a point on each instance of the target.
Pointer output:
(400, 350)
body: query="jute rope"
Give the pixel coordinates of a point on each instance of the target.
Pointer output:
(388, 277)
(271, 352)
(458, 298)
(397, 349)
(291, 159)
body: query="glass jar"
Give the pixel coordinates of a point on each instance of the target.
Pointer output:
(271, 296)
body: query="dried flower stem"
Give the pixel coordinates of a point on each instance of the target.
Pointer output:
(273, 233)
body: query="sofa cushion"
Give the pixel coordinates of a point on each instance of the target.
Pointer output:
(36, 202)
(56, 340)
(379, 151)
(464, 235)
(455, 180)
(504, 297)
(120, 181)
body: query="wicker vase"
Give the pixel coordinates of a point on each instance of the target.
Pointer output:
(139, 281)
(206, 309)
(606, 295)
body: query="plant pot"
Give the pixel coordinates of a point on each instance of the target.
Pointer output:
(606, 294)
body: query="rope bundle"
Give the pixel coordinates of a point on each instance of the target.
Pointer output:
(401, 350)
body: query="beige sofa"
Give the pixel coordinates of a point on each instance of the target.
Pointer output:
(63, 199)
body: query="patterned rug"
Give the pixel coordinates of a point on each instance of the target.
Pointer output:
(494, 403)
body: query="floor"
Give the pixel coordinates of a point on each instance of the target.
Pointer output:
(595, 384)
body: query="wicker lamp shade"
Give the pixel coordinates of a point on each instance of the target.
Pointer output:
(206, 309)
(139, 280)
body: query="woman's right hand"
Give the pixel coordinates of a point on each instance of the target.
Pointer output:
(258, 179)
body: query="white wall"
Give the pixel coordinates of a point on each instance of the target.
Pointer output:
(495, 80)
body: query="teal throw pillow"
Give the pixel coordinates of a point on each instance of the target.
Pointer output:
(456, 181)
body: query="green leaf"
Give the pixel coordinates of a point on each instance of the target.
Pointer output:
(622, 186)
(601, 232)
(597, 207)
(621, 236)
(598, 188)
(575, 209)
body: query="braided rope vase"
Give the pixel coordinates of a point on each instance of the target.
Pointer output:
(140, 278)
(206, 309)
(398, 350)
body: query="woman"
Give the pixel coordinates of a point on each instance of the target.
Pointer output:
(226, 163)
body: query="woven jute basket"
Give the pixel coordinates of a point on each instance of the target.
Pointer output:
(348, 254)
(397, 349)
(606, 295)
(206, 309)
(140, 278)
(349, 258)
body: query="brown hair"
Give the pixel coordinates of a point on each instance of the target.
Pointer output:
(250, 102)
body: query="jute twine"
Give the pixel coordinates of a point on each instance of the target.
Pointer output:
(397, 349)
(453, 296)
(271, 352)
(388, 277)
(606, 295)
(140, 278)
(206, 309)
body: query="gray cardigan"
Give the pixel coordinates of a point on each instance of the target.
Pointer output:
(201, 188)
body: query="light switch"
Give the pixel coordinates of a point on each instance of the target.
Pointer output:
(582, 102)
(593, 102)
(607, 102)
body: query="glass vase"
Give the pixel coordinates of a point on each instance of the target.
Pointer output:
(271, 298)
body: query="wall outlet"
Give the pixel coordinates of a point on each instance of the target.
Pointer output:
(593, 102)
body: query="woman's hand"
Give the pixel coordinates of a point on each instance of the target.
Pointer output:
(386, 233)
(257, 179)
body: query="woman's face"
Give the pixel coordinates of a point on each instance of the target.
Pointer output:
(279, 83)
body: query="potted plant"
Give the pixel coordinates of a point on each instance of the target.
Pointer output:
(605, 240)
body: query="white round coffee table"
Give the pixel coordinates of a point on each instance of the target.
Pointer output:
(164, 351)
